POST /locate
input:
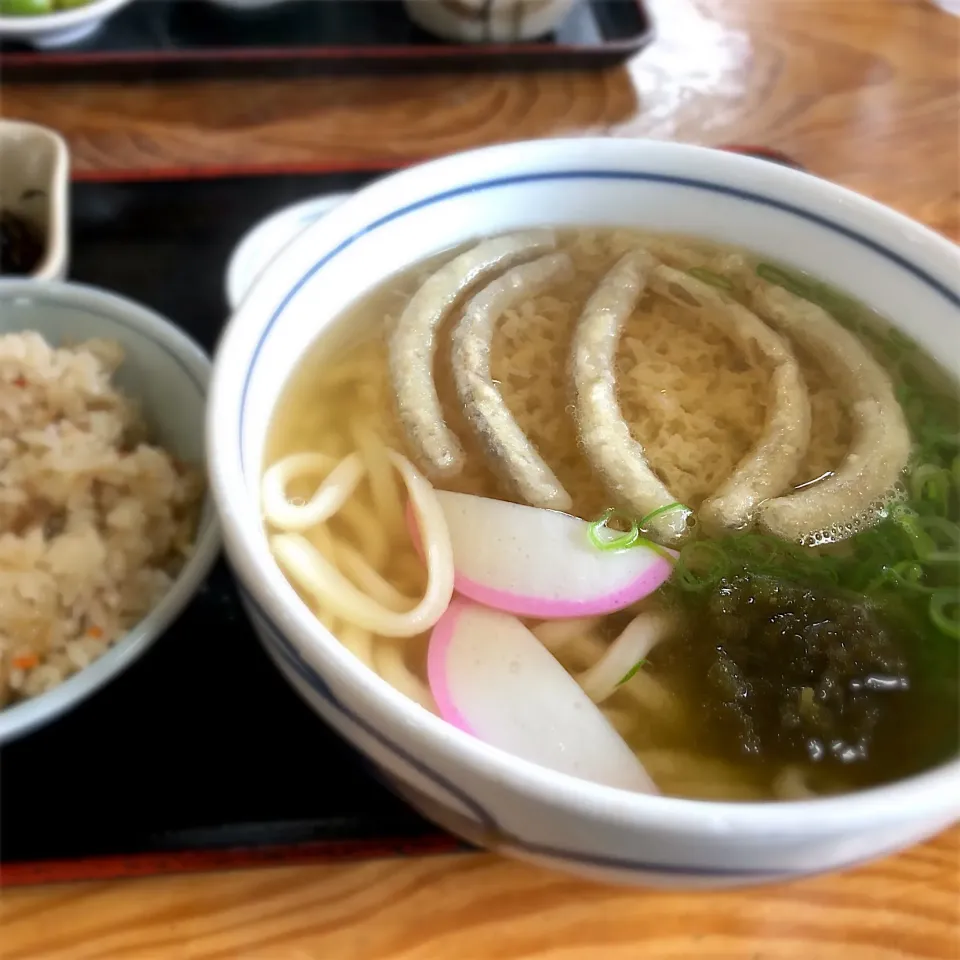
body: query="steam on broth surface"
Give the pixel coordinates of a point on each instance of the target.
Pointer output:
(776, 660)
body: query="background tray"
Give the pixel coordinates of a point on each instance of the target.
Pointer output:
(199, 756)
(190, 38)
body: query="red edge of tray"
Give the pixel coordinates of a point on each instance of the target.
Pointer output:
(319, 168)
(270, 54)
(37, 872)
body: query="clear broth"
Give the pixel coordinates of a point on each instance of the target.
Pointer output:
(670, 371)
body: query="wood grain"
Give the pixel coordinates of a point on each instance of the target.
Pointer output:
(479, 907)
(866, 93)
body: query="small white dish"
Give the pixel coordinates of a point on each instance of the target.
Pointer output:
(61, 28)
(491, 797)
(35, 185)
(488, 21)
(168, 373)
(246, 6)
(265, 239)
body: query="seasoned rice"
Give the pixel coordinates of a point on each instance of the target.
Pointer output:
(95, 522)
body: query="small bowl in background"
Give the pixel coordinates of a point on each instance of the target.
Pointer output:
(35, 187)
(488, 21)
(59, 28)
(168, 373)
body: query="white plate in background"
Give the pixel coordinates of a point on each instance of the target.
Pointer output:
(265, 239)
(59, 28)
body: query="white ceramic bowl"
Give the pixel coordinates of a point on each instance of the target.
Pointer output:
(468, 787)
(488, 21)
(168, 373)
(35, 185)
(60, 28)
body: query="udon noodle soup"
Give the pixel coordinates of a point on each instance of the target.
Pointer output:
(643, 509)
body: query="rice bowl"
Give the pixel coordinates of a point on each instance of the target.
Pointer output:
(103, 539)
(97, 522)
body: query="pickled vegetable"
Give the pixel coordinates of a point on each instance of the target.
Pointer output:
(20, 244)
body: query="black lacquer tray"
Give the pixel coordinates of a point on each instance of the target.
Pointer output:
(192, 38)
(199, 756)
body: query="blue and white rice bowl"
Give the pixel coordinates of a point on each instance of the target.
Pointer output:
(481, 793)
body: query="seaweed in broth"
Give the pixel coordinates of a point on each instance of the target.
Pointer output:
(796, 670)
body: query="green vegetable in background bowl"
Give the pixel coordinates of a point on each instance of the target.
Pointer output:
(36, 8)
(50, 24)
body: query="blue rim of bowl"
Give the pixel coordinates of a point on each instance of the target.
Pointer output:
(306, 672)
(22, 718)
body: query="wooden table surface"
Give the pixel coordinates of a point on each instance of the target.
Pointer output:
(864, 92)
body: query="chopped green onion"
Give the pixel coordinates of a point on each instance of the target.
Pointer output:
(780, 277)
(604, 537)
(886, 577)
(945, 611)
(930, 485)
(906, 574)
(714, 279)
(631, 672)
(660, 511)
(914, 409)
(799, 284)
(900, 340)
(622, 539)
(908, 521)
(933, 432)
(945, 536)
(700, 565)
(903, 393)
